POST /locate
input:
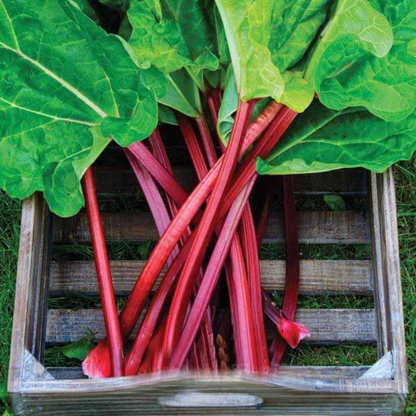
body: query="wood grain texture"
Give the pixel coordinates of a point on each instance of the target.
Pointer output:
(331, 372)
(327, 326)
(282, 395)
(114, 181)
(353, 277)
(386, 258)
(29, 319)
(318, 227)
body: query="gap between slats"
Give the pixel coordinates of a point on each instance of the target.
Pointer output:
(347, 277)
(350, 182)
(327, 326)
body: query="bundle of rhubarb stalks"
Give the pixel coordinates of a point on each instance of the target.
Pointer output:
(256, 87)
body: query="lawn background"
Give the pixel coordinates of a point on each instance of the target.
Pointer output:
(405, 174)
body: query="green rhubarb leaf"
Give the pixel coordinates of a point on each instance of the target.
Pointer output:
(217, 79)
(298, 93)
(155, 40)
(80, 348)
(365, 58)
(295, 24)
(335, 202)
(86, 7)
(248, 26)
(167, 116)
(228, 108)
(62, 78)
(182, 94)
(322, 140)
(193, 17)
(229, 105)
(156, 7)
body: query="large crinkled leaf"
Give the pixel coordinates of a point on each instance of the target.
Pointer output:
(321, 140)
(365, 58)
(157, 41)
(60, 77)
(298, 93)
(174, 45)
(247, 26)
(295, 24)
(43, 154)
(193, 18)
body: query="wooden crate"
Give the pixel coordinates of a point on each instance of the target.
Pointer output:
(379, 389)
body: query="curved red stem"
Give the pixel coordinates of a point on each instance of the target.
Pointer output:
(105, 282)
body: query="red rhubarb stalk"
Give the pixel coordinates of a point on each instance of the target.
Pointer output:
(248, 233)
(192, 143)
(188, 210)
(244, 334)
(210, 280)
(164, 178)
(292, 265)
(207, 141)
(205, 229)
(159, 151)
(149, 363)
(105, 282)
(240, 297)
(291, 332)
(213, 105)
(153, 198)
(205, 344)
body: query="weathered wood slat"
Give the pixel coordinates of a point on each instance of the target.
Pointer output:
(386, 258)
(75, 373)
(327, 326)
(32, 284)
(317, 277)
(317, 227)
(111, 181)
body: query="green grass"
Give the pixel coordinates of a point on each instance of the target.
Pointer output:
(304, 355)
(406, 212)
(9, 245)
